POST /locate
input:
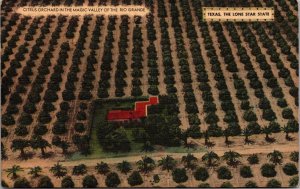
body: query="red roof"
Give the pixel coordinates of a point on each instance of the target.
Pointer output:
(140, 111)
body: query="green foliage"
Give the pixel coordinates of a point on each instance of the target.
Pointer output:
(135, 179)
(231, 157)
(13, 171)
(250, 184)
(4, 132)
(268, 170)
(136, 91)
(156, 178)
(102, 168)
(224, 173)
(79, 127)
(167, 163)
(7, 119)
(63, 144)
(3, 152)
(275, 127)
(163, 128)
(287, 113)
(116, 141)
(269, 115)
(246, 172)
(254, 127)
(250, 116)
(275, 157)
(21, 131)
(146, 164)
(25, 119)
(245, 105)
(189, 161)
(211, 118)
(282, 103)
(67, 182)
(179, 175)
(201, 173)
(59, 128)
(153, 90)
(293, 126)
(147, 147)
(290, 169)
(82, 143)
(38, 142)
(294, 156)
(140, 135)
(210, 159)
(79, 169)
(253, 159)
(58, 170)
(194, 121)
(294, 181)
(40, 130)
(45, 182)
(273, 183)
(226, 185)
(4, 184)
(124, 167)
(22, 183)
(204, 185)
(89, 181)
(35, 171)
(81, 115)
(214, 130)
(112, 180)
(20, 144)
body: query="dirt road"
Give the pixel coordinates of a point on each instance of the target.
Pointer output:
(243, 150)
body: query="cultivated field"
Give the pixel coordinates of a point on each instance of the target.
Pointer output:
(223, 87)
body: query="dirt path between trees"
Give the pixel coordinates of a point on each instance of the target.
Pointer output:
(243, 150)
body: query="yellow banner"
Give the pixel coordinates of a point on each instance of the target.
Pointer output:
(238, 14)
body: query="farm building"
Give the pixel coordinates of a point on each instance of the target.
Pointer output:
(140, 111)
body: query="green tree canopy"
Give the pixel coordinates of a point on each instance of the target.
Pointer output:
(45, 182)
(58, 170)
(89, 181)
(167, 163)
(201, 173)
(112, 180)
(124, 167)
(67, 182)
(22, 183)
(135, 179)
(179, 175)
(210, 159)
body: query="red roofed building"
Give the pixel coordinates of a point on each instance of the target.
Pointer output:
(140, 111)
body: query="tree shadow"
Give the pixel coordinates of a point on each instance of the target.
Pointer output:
(270, 139)
(15, 177)
(68, 154)
(210, 144)
(249, 142)
(26, 156)
(190, 145)
(47, 155)
(289, 138)
(228, 143)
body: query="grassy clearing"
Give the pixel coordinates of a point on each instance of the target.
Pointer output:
(99, 117)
